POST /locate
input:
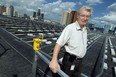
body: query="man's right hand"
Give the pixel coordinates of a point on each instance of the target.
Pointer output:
(54, 66)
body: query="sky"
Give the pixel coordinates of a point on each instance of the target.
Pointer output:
(104, 11)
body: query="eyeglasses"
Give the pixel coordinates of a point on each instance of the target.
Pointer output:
(87, 16)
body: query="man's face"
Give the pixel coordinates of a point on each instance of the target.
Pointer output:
(83, 17)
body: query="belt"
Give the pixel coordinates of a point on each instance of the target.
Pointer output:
(72, 55)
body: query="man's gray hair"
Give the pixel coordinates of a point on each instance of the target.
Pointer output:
(88, 8)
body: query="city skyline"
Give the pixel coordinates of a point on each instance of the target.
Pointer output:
(103, 11)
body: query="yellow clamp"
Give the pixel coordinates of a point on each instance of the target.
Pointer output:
(37, 42)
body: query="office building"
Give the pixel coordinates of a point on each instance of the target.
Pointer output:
(16, 14)
(3, 9)
(39, 12)
(68, 17)
(0, 10)
(73, 16)
(65, 19)
(42, 16)
(8, 11)
(11, 11)
(34, 14)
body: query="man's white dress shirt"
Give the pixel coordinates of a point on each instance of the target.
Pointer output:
(75, 38)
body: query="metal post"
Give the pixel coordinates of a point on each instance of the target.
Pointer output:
(36, 46)
(34, 65)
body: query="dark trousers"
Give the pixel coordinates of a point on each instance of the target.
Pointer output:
(71, 65)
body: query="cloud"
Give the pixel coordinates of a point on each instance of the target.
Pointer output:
(94, 2)
(112, 7)
(110, 17)
(58, 6)
(79, 3)
(97, 23)
(30, 10)
(55, 9)
(106, 19)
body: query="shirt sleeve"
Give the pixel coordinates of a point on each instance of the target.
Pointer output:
(64, 37)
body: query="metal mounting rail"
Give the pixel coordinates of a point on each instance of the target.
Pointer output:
(60, 72)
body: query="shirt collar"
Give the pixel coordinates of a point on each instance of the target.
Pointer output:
(78, 26)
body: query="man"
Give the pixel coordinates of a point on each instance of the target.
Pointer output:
(74, 37)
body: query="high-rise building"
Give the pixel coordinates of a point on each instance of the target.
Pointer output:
(26, 16)
(16, 14)
(68, 17)
(11, 11)
(65, 19)
(39, 12)
(42, 16)
(8, 11)
(3, 9)
(0, 10)
(34, 14)
(73, 16)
